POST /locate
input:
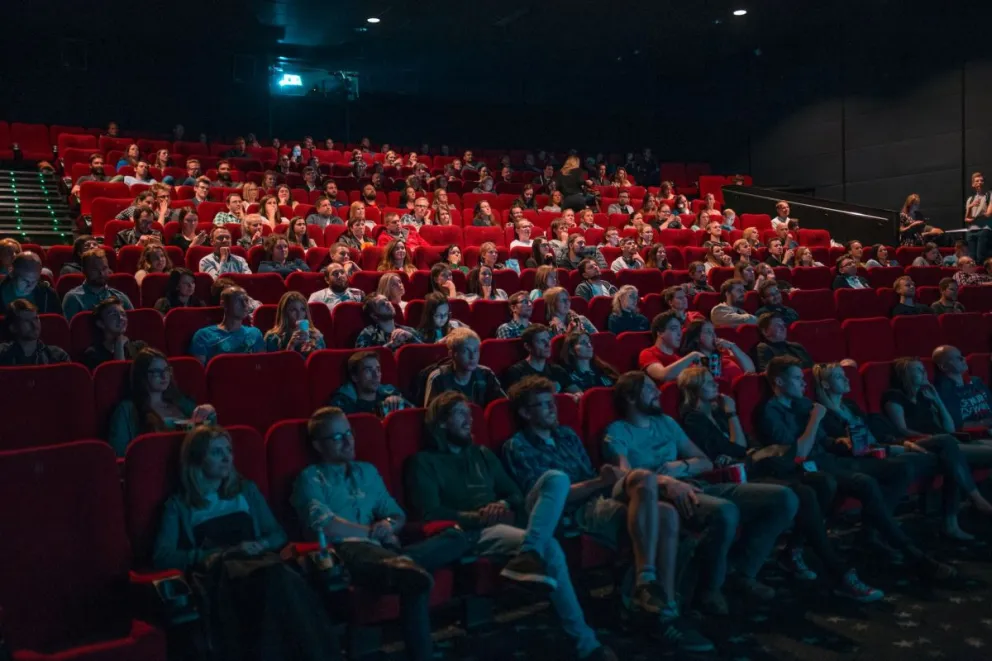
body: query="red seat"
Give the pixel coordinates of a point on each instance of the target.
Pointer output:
(925, 276)
(498, 355)
(629, 348)
(812, 238)
(441, 235)
(876, 378)
(327, 370)
(143, 324)
(264, 287)
(596, 411)
(964, 331)
(91, 190)
(869, 339)
(916, 335)
(412, 358)
(55, 330)
(488, 316)
(705, 301)
(502, 423)
(718, 274)
(813, 304)
(476, 236)
(979, 366)
(181, 325)
(976, 299)
(811, 277)
(6, 152)
(64, 587)
(647, 281)
(600, 309)
(885, 276)
(51, 403)
(762, 221)
(823, 339)
(750, 390)
(859, 304)
(33, 139)
(349, 320)
(230, 377)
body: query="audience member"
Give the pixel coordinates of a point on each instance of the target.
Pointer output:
(730, 313)
(251, 231)
(629, 257)
(774, 330)
(354, 237)
(479, 286)
(337, 290)
(231, 335)
(576, 251)
(277, 257)
(584, 368)
(362, 389)
(222, 259)
(25, 346)
(235, 210)
(965, 396)
(391, 286)
(905, 289)
(592, 283)
(978, 218)
(771, 299)
(560, 316)
(520, 310)
(293, 329)
(722, 357)
(154, 259)
(960, 250)
(536, 340)
(661, 361)
(436, 322)
(141, 233)
(384, 331)
(180, 291)
(396, 257)
(968, 274)
(297, 234)
(463, 373)
(782, 216)
(109, 321)
(323, 213)
(188, 235)
(95, 288)
(25, 282)
(948, 301)
(804, 258)
(777, 253)
(83, 243)
(625, 316)
(930, 257)
(847, 275)
(879, 256)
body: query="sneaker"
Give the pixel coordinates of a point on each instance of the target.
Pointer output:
(852, 587)
(528, 569)
(713, 603)
(792, 561)
(681, 637)
(647, 598)
(404, 575)
(752, 587)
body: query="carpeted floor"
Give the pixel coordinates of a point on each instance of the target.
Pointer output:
(951, 621)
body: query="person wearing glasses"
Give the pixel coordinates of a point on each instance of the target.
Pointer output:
(421, 214)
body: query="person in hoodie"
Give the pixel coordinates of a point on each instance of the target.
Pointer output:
(363, 390)
(25, 282)
(455, 480)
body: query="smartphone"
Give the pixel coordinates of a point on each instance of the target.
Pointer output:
(303, 325)
(715, 365)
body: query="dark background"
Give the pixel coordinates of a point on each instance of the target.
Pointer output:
(861, 101)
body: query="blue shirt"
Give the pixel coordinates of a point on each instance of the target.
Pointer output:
(213, 341)
(84, 298)
(354, 492)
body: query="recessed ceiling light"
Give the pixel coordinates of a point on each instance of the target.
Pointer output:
(740, 12)
(372, 19)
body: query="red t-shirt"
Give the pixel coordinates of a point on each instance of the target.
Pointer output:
(730, 369)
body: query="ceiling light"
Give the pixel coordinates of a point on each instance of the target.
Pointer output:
(740, 12)
(372, 19)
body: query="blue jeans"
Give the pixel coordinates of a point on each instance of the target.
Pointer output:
(545, 503)
(763, 511)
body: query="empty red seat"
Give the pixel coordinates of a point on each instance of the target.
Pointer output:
(629, 347)
(596, 412)
(499, 355)
(964, 331)
(762, 221)
(705, 301)
(976, 299)
(823, 339)
(876, 378)
(181, 325)
(264, 287)
(51, 404)
(916, 335)
(811, 277)
(232, 377)
(647, 281)
(476, 236)
(885, 276)
(64, 587)
(750, 391)
(412, 358)
(812, 238)
(869, 339)
(55, 330)
(980, 365)
(927, 276)
(441, 235)
(859, 304)
(718, 274)
(487, 316)
(33, 139)
(813, 304)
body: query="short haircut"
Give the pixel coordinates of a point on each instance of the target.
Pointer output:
(439, 410)
(779, 365)
(943, 284)
(669, 293)
(218, 228)
(93, 157)
(103, 305)
(320, 199)
(223, 162)
(627, 389)
(532, 331)
(458, 336)
(319, 417)
(202, 180)
(229, 292)
(230, 195)
(661, 321)
(728, 285)
(583, 264)
(26, 258)
(901, 279)
(389, 215)
(193, 161)
(16, 307)
(517, 297)
(370, 302)
(522, 392)
(765, 286)
(766, 319)
(355, 361)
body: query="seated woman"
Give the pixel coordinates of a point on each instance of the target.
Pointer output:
(296, 234)
(391, 286)
(723, 358)
(522, 229)
(681, 206)
(480, 286)
(923, 424)
(766, 272)
(625, 316)
(83, 243)
(804, 257)
(285, 197)
(219, 527)
(657, 257)
(249, 193)
(395, 257)
(277, 257)
(179, 291)
(452, 256)
(621, 180)
(483, 215)
(584, 368)
(357, 212)
(268, 209)
(251, 231)
(645, 236)
(293, 329)
(931, 256)
(559, 315)
(715, 257)
(542, 254)
(109, 322)
(545, 279)
(442, 217)
(554, 202)
(436, 321)
(155, 404)
(441, 282)
(188, 235)
(710, 421)
(635, 219)
(154, 259)
(744, 271)
(878, 255)
(752, 236)
(489, 256)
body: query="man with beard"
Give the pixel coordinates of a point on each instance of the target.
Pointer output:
(94, 289)
(224, 178)
(96, 173)
(369, 195)
(395, 230)
(384, 331)
(26, 347)
(337, 290)
(731, 312)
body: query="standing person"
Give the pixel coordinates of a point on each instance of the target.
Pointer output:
(570, 181)
(978, 218)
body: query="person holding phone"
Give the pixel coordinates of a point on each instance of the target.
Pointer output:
(293, 329)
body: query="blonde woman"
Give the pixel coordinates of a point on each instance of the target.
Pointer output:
(154, 259)
(626, 317)
(560, 316)
(711, 422)
(395, 257)
(293, 329)
(391, 286)
(545, 279)
(250, 193)
(251, 231)
(357, 212)
(570, 182)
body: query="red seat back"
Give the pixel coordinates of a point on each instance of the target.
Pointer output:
(181, 325)
(813, 304)
(823, 339)
(916, 335)
(964, 331)
(858, 304)
(51, 404)
(869, 339)
(231, 377)
(326, 371)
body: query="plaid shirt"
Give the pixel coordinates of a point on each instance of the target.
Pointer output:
(374, 336)
(528, 457)
(482, 386)
(511, 330)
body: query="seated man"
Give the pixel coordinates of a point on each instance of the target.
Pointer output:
(222, 260)
(592, 281)
(948, 301)
(605, 505)
(394, 230)
(965, 396)
(791, 423)
(491, 505)
(109, 322)
(847, 275)
(771, 301)
(464, 374)
(323, 214)
(384, 331)
(629, 257)
(420, 215)
(142, 232)
(782, 216)
(26, 347)
(25, 282)
(521, 308)
(537, 343)
(346, 502)
(906, 291)
(340, 253)
(231, 335)
(94, 289)
(364, 391)
(575, 251)
(731, 313)
(337, 290)
(661, 361)
(773, 331)
(645, 438)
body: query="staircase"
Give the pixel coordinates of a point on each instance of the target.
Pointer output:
(32, 210)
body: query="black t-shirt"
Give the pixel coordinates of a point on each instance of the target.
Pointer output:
(915, 308)
(921, 415)
(712, 436)
(98, 353)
